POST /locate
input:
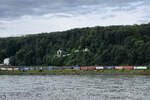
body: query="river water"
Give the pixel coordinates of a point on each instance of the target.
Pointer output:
(97, 87)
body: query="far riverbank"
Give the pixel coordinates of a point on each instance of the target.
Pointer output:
(78, 72)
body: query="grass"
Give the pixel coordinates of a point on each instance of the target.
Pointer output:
(73, 72)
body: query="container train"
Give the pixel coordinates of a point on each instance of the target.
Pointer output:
(26, 68)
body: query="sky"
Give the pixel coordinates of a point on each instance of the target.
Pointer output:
(22, 17)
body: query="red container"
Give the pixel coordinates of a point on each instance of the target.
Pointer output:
(119, 67)
(128, 67)
(9, 69)
(91, 68)
(15, 68)
(84, 68)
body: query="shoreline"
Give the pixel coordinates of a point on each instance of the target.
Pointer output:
(79, 72)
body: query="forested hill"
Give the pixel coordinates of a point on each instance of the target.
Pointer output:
(112, 45)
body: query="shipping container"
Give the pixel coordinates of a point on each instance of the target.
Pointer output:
(140, 67)
(26, 68)
(128, 67)
(109, 67)
(3, 69)
(15, 68)
(50, 68)
(76, 68)
(119, 67)
(99, 67)
(91, 68)
(9, 69)
(21, 69)
(31, 68)
(84, 68)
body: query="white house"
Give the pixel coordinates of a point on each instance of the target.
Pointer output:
(6, 61)
(86, 50)
(59, 53)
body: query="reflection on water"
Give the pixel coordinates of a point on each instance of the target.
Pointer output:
(74, 87)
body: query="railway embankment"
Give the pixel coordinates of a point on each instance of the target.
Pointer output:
(78, 72)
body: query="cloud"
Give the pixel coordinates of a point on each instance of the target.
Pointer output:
(20, 17)
(2, 28)
(11, 9)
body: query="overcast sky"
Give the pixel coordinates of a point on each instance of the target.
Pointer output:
(21, 17)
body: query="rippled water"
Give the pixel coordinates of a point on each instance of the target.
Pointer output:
(75, 87)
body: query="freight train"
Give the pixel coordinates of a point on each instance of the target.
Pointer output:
(26, 68)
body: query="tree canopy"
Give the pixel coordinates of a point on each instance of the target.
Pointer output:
(111, 45)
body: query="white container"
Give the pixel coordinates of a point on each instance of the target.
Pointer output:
(16, 69)
(3, 69)
(100, 68)
(140, 67)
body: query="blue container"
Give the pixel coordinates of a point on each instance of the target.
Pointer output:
(21, 68)
(50, 68)
(78, 68)
(54, 68)
(31, 68)
(26, 68)
(109, 67)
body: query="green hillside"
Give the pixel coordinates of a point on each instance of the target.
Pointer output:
(112, 45)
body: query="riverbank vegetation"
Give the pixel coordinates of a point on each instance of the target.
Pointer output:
(77, 72)
(112, 45)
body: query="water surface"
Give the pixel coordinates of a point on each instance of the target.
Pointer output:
(98, 87)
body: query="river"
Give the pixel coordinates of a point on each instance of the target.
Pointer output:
(75, 87)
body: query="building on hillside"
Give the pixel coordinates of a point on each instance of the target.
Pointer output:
(64, 55)
(6, 61)
(76, 51)
(59, 53)
(68, 54)
(86, 50)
